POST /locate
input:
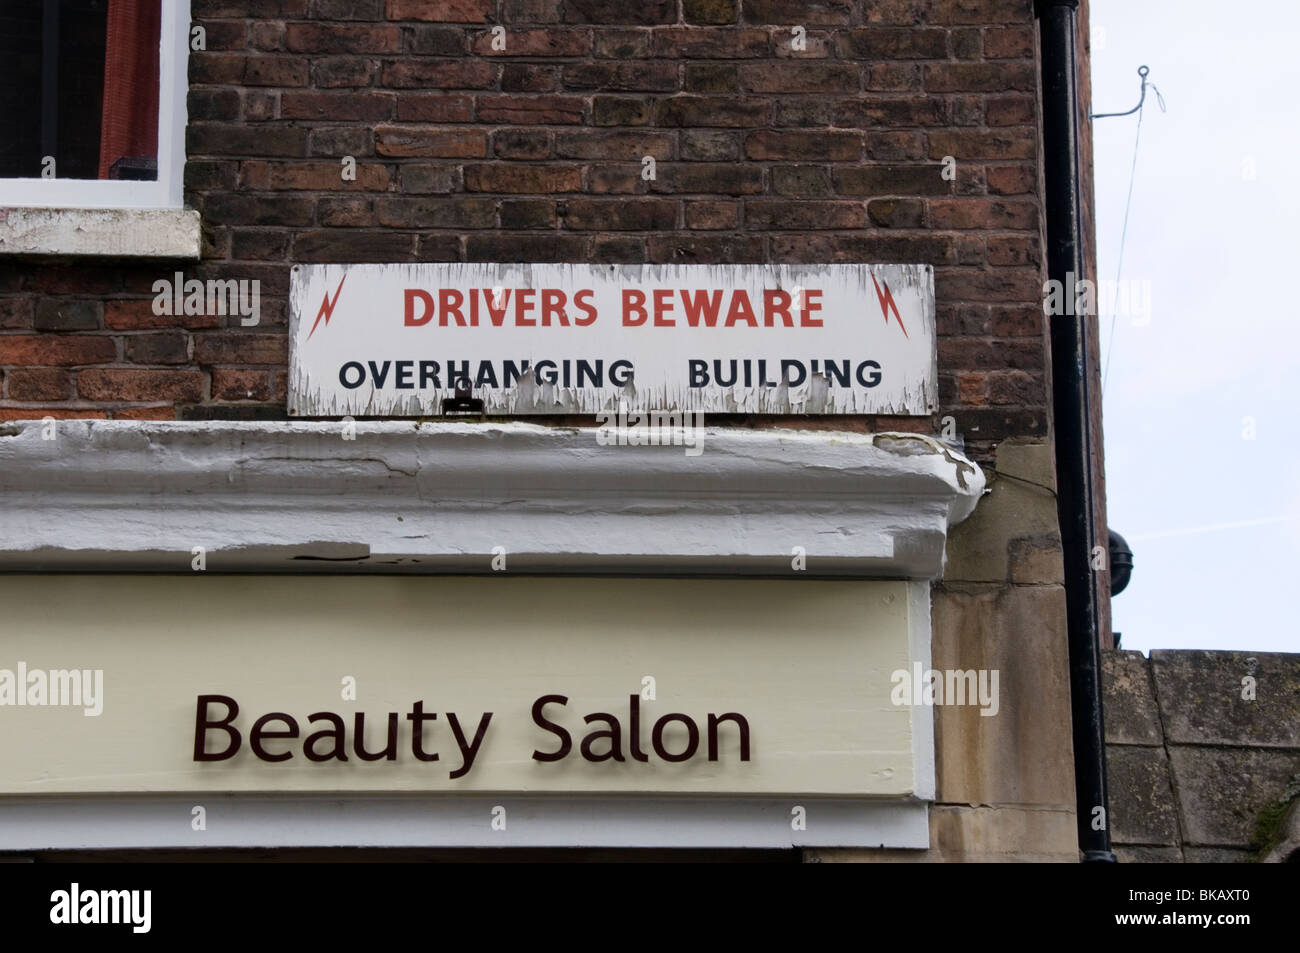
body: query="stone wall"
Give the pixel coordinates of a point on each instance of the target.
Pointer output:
(1203, 752)
(1005, 783)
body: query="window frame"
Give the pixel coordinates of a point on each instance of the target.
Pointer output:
(168, 190)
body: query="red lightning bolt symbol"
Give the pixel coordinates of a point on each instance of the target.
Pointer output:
(327, 307)
(887, 303)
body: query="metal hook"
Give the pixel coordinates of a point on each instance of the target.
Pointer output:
(1143, 71)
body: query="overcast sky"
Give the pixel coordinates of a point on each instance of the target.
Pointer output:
(1213, 517)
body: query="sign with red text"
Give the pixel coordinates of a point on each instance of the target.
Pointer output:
(402, 340)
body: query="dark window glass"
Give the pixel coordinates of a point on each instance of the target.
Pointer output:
(79, 83)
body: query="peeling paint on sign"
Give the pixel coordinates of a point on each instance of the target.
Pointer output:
(393, 340)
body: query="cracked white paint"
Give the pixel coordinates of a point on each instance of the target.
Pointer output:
(438, 497)
(117, 233)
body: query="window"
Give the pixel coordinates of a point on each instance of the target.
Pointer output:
(92, 103)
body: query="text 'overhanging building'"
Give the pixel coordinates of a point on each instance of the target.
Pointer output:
(544, 424)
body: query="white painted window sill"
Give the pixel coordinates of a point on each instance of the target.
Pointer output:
(100, 233)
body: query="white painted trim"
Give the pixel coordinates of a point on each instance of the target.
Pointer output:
(168, 190)
(115, 233)
(165, 822)
(173, 90)
(122, 496)
(923, 767)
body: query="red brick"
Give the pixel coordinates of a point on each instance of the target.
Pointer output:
(434, 107)
(38, 383)
(440, 74)
(983, 213)
(616, 77)
(771, 214)
(156, 412)
(620, 11)
(711, 43)
(521, 144)
(274, 70)
(343, 106)
(593, 144)
(711, 111)
(313, 176)
(44, 350)
(1009, 110)
(622, 44)
(801, 77)
(874, 111)
(996, 286)
(712, 215)
(16, 314)
(875, 43)
(918, 179)
(1013, 250)
(337, 38)
(823, 12)
(329, 72)
(531, 110)
(58, 413)
(430, 141)
(535, 43)
(1016, 387)
(1023, 321)
(449, 11)
(710, 12)
(1012, 179)
(137, 315)
(707, 178)
(621, 214)
(529, 78)
(350, 245)
(240, 347)
(893, 146)
(239, 384)
(140, 385)
(525, 247)
(893, 77)
(808, 146)
(971, 389)
(164, 347)
(896, 213)
(510, 178)
(413, 212)
(980, 144)
(977, 12)
(620, 111)
(979, 77)
(1009, 42)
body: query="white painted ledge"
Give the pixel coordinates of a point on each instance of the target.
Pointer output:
(441, 497)
(115, 233)
(140, 823)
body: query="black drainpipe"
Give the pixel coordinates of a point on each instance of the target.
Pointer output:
(1071, 401)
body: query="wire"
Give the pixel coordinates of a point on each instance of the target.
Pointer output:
(1143, 71)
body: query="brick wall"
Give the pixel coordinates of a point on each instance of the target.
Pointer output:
(534, 153)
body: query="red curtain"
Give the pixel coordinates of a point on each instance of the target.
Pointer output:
(130, 126)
